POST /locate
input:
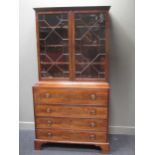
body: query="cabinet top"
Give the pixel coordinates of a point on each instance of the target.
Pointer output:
(106, 8)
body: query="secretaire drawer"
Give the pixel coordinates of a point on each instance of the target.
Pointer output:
(70, 135)
(71, 111)
(72, 123)
(70, 96)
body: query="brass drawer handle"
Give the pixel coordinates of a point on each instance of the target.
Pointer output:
(93, 124)
(93, 112)
(93, 96)
(47, 95)
(49, 134)
(49, 123)
(92, 137)
(48, 110)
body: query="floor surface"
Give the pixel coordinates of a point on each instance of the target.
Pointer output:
(119, 145)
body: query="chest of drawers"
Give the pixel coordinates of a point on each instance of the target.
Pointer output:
(71, 113)
(71, 99)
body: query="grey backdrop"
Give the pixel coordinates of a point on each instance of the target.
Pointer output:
(121, 61)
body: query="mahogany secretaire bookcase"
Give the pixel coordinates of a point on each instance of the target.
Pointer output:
(71, 99)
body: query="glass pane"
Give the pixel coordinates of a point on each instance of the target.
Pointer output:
(89, 45)
(54, 57)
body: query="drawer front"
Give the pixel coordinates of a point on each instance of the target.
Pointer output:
(71, 111)
(72, 123)
(70, 96)
(68, 135)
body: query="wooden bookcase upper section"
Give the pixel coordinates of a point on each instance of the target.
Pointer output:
(73, 43)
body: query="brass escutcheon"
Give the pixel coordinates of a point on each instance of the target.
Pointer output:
(92, 137)
(93, 96)
(93, 124)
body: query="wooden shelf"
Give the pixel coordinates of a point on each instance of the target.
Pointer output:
(66, 27)
(54, 63)
(92, 45)
(62, 39)
(89, 26)
(52, 45)
(85, 63)
(53, 27)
